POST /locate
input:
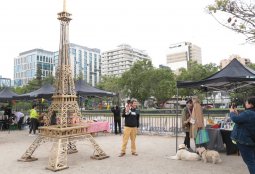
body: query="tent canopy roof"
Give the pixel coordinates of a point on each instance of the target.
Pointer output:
(81, 87)
(235, 75)
(7, 94)
(45, 91)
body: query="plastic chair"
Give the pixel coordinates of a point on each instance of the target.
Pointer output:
(13, 126)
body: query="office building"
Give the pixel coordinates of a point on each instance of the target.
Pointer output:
(164, 67)
(85, 63)
(243, 61)
(5, 82)
(119, 60)
(181, 53)
(27, 63)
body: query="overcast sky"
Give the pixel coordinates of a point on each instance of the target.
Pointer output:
(150, 25)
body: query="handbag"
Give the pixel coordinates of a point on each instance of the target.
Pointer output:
(192, 120)
(202, 136)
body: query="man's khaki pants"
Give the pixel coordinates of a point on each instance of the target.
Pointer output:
(129, 132)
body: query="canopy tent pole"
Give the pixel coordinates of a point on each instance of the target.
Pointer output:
(176, 129)
(206, 95)
(80, 103)
(118, 99)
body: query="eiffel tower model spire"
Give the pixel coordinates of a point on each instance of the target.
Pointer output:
(65, 105)
(64, 100)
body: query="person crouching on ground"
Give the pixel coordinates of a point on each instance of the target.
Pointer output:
(34, 120)
(186, 114)
(243, 133)
(131, 115)
(19, 119)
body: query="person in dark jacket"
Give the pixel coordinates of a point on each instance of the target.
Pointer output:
(117, 120)
(186, 114)
(131, 115)
(243, 133)
(8, 114)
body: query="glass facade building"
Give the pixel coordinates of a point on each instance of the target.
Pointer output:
(5, 82)
(27, 63)
(85, 62)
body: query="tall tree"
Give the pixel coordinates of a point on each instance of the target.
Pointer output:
(48, 80)
(252, 66)
(112, 83)
(162, 85)
(195, 72)
(136, 81)
(237, 15)
(19, 90)
(33, 85)
(39, 74)
(80, 76)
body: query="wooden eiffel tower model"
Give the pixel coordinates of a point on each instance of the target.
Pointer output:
(65, 105)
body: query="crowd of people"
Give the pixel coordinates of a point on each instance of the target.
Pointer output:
(11, 118)
(18, 119)
(243, 134)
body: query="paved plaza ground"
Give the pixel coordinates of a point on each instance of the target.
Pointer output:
(151, 160)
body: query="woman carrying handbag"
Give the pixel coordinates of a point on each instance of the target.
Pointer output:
(197, 120)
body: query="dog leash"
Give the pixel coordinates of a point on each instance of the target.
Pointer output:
(203, 152)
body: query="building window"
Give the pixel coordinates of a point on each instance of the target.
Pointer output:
(73, 51)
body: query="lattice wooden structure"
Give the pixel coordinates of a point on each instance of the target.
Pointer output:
(64, 103)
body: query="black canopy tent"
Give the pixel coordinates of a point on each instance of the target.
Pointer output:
(232, 77)
(82, 89)
(6, 94)
(46, 91)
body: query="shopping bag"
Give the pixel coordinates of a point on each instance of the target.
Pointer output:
(202, 136)
(192, 120)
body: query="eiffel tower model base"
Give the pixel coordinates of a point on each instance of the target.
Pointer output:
(63, 141)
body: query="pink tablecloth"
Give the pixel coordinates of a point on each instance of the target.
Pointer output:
(100, 126)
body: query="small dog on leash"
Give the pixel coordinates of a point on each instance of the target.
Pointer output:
(184, 154)
(209, 155)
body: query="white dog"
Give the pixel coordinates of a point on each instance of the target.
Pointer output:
(184, 154)
(209, 155)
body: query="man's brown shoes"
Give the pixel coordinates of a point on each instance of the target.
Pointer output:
(135, 154)
(122, 154)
